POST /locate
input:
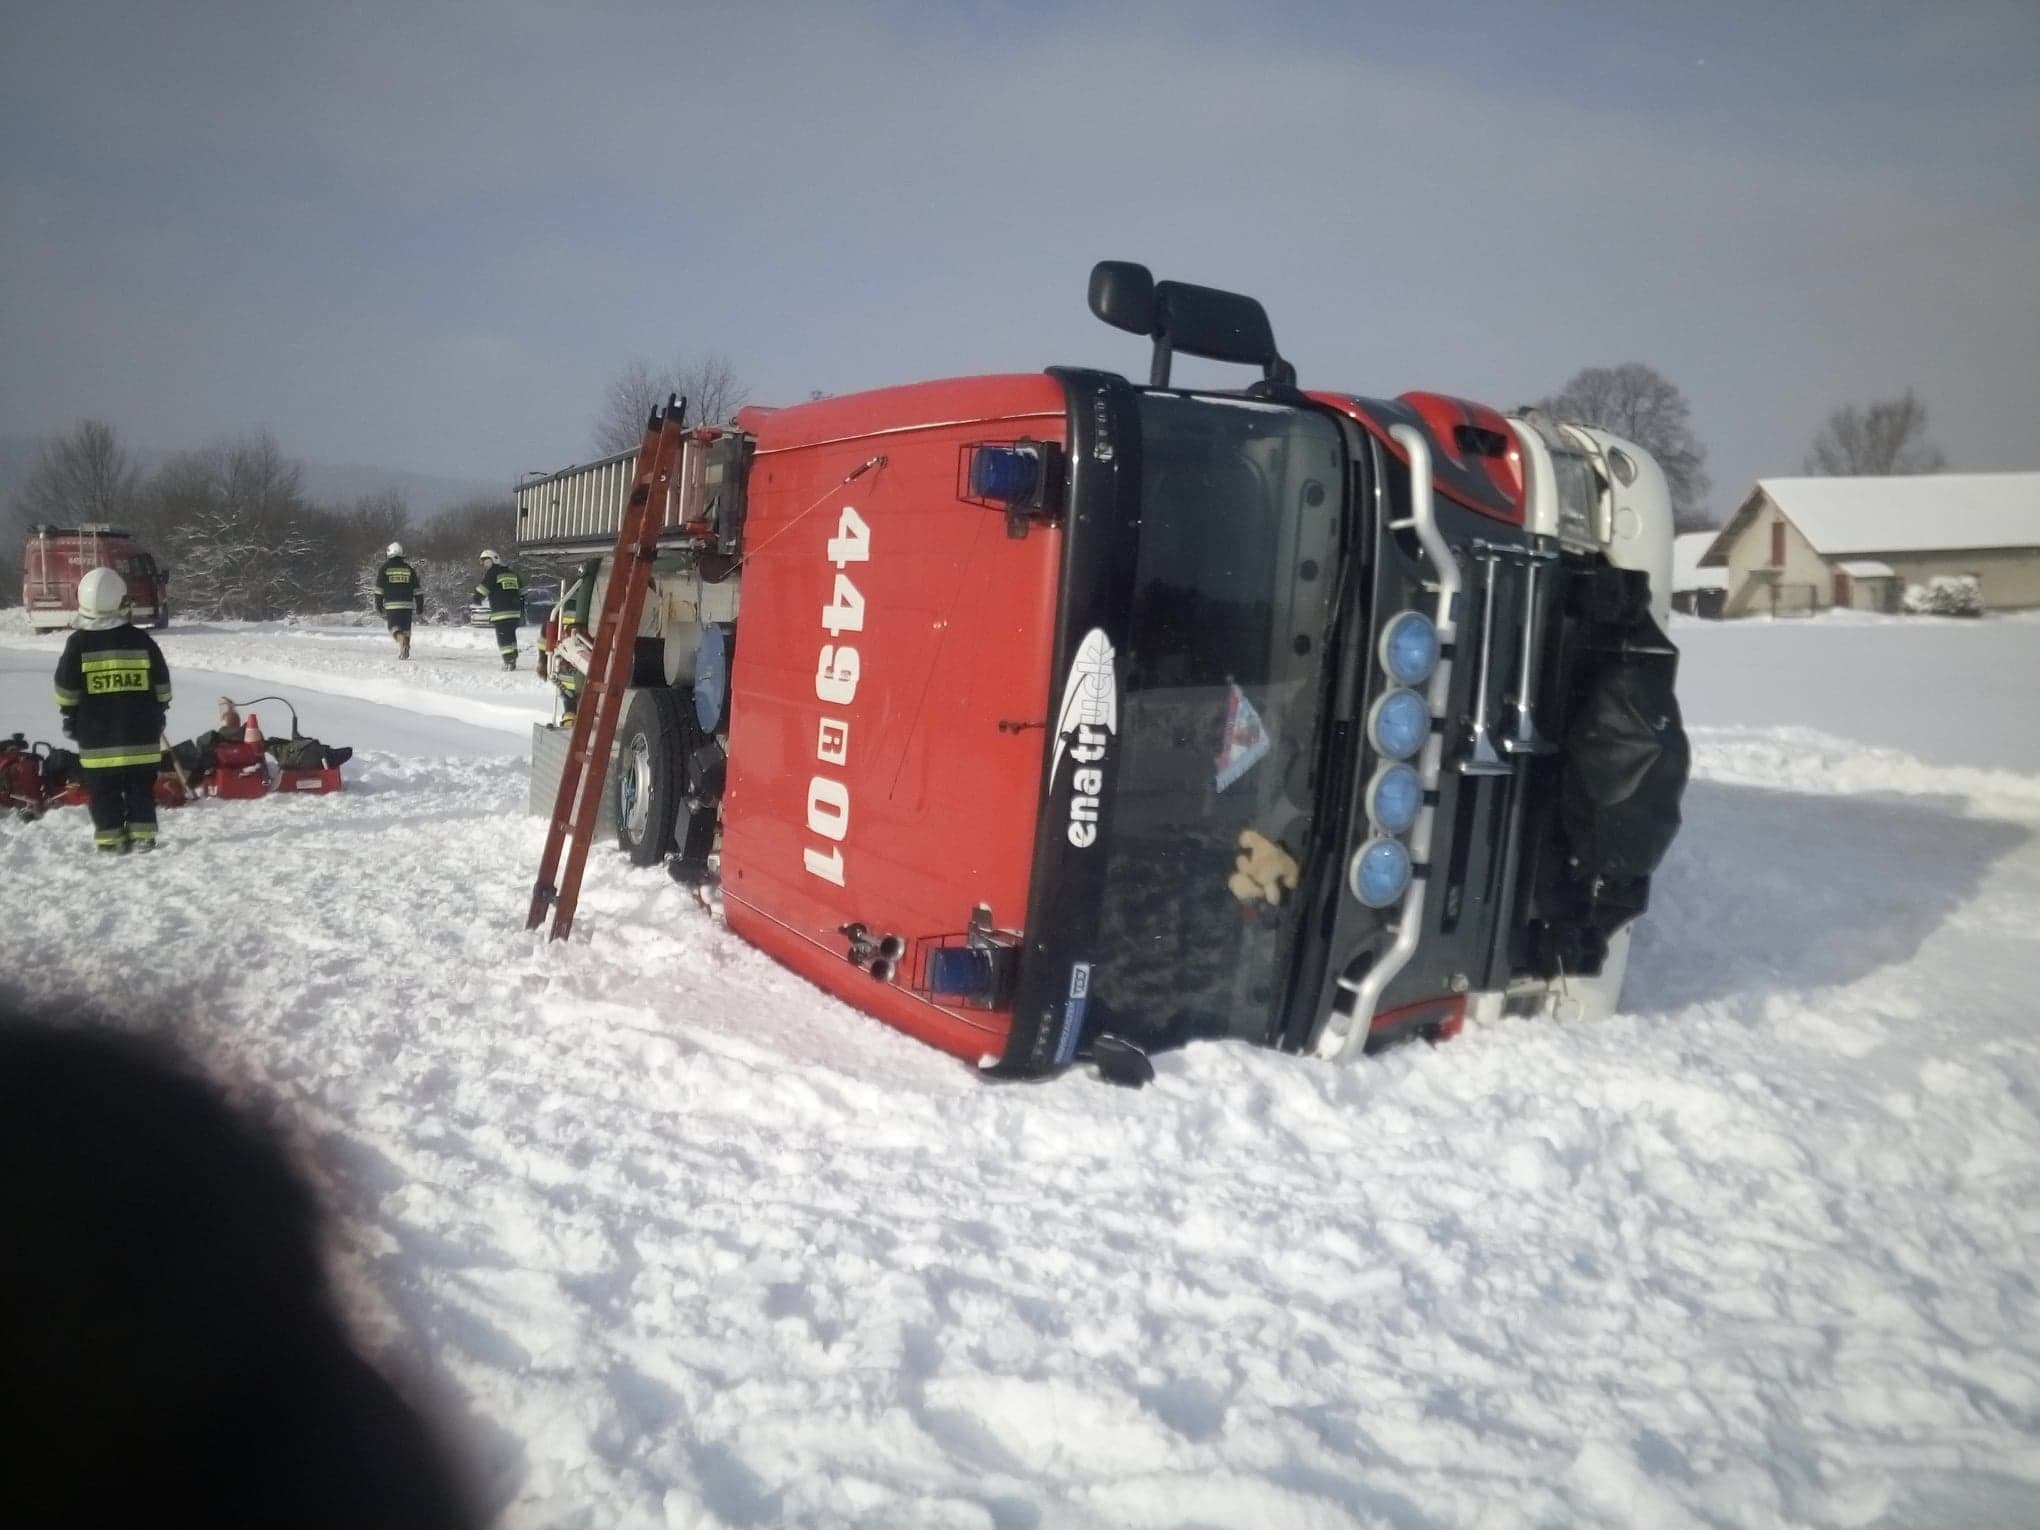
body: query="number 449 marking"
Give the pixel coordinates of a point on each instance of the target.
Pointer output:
(836, 676)
(852, 541)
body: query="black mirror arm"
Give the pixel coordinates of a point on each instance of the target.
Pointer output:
(1158, 368)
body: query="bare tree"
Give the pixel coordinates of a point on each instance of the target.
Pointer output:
(1885, 437)
(460, 532)
(1640, 404)
(361, 534)
(346, 539)
(239, 532)
(83, 475)
(710, 384)
(374, 521)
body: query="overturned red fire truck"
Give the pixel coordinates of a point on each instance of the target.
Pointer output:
(1042, 714)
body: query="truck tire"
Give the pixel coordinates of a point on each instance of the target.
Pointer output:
(658, 810)
(650, 749)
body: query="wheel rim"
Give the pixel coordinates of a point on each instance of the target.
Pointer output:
(636, 785)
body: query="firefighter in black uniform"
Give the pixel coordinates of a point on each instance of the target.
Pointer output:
(504, 591)
(113, 689)
(565, 618)
(398, 597)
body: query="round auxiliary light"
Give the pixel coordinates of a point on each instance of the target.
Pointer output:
(1380, 872)
(1399, 724)
(1409, 648)
(1394, 798)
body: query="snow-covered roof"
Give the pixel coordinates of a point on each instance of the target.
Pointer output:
(1868, 568)
(1687, 574)
(1920, 512)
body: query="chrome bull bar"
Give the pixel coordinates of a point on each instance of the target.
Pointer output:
(1338, 1041)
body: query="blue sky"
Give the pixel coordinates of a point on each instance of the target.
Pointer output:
(425, 236)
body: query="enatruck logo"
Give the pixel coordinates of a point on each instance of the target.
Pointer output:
(1084, 727)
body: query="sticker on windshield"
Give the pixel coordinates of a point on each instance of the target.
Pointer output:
(1246, 740)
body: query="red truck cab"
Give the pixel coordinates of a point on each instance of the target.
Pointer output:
(55, 558)
(1027, 712)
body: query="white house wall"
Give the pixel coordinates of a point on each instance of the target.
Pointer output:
(2010, 576)
(1751, 574)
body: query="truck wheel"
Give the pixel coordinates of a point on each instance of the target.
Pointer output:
(659, 810)
(649, 774)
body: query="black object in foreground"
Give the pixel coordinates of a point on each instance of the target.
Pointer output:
(172, 1353)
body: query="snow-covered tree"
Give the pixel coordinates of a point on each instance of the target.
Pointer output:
(1946, 595)
(238, 533)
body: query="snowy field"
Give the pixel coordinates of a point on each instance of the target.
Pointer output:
(675, 1240)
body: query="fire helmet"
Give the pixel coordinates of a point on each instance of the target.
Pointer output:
(101, 594)
(488, 555)
(394, 550)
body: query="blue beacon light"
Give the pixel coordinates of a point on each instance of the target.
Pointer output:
(1008, 474)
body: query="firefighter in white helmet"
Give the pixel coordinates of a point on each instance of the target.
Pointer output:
(504, 591)
(398, 597)
(113, 690)
(567, 614)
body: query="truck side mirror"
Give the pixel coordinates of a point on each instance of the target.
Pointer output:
(1220, 326)
(1123, 295)
(1178, 316)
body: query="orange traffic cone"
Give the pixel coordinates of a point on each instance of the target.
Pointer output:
(252, 734)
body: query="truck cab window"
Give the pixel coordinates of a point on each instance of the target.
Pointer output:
(1240, 517)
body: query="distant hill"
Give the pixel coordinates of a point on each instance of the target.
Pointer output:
(325, 483)
(426, 493)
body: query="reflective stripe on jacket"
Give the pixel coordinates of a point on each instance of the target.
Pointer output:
(504, 591)
(396, 586)
(114, 687)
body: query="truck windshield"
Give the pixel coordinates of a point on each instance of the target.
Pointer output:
(1242, 505)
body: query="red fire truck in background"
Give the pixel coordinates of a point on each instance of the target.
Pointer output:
(55, 558)
(1042, 714)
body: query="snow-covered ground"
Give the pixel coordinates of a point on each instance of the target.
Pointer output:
(678, 1240)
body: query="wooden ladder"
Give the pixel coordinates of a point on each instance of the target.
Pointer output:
(578, 803)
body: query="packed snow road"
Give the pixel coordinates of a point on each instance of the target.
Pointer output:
(678, 1240)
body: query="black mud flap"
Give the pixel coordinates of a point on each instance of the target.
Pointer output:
(1624, 765)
